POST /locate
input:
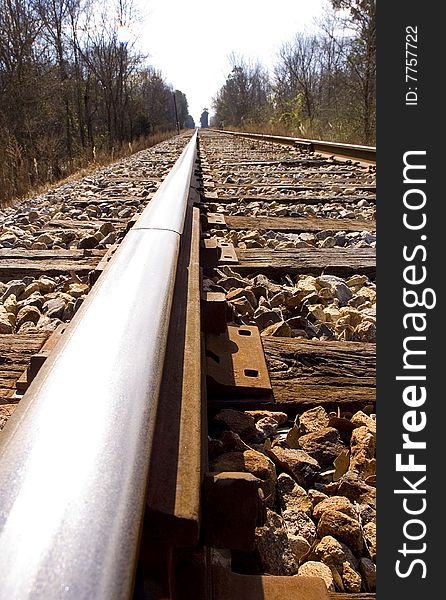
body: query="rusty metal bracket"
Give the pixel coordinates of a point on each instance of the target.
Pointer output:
(228, 255)
(308, 146)
(38, 359)
(233, 507)
(214, 312)
(94, 275)
(229, 584)
(214, 220)
(217, 252)
(236, 365)
(209, 253)
(132, 221)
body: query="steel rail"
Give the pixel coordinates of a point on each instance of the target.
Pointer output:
(367, 153)
(74, 456)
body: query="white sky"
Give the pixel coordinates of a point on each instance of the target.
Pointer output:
(190, 41)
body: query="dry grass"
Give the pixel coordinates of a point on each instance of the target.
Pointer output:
(85, 166)
(314, 131)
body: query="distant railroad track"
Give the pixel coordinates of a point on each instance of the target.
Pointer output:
(354, 151)
(201, 423)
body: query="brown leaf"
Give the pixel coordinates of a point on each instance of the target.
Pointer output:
(341, 463)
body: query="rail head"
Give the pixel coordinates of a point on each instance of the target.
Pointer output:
(354, 151)
(74, 456)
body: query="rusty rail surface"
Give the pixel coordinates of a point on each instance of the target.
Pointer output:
(74, 457)
(355, 151)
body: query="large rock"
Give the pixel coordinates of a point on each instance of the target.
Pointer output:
(326, 295)
(279, 299)
(362, 452)
(10, 304)
(39, 246)
(109, 239)
(106, 228)
(357, 281)
(78, 289)
(332, 314)
(329, 242)
(370, 538)
(250, 461)
(241, 423)
(298, 464)
(281, 329)
(299, 546)
(366, 513)
(339, 503)
(54, 308)
(46, 239)
(230, 283)
(368, 571)
(351, 315)
(231, 442)
(324, 445)
(334, 553)
(8, 239)
(315, 313)
(266, 318)
(69, 311)
(316, 496)
(28, 314)
(361, 419)
(30, 289)
(312, 568)
(299, 523)
(341, 561)
(15, 287)
(293, 496)
(7, 320)
(343, 330)
(343, 528)
(338, 287)
(240, 293)
(68, 236)
(365, 332)
(352, 486)
(47, 324)
(46, 285)
(273, 288)
(267, 422)
(232, 501)
(243, 306)
(125, 213)
(313, 420)
(88, 242)
(369, 293)
(276, 554)
(307, 284)
(2, 288)
(351, 579)
(34, 300)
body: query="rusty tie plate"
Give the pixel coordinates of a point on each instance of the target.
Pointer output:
(235, 362)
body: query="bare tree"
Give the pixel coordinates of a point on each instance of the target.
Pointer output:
(182, 107)
(361, 57)
(71, 83)
(245, 95)
(298, 71)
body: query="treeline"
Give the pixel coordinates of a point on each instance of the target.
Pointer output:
(74, 87)
(322, 85)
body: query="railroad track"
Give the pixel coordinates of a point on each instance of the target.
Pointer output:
(201, 423)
